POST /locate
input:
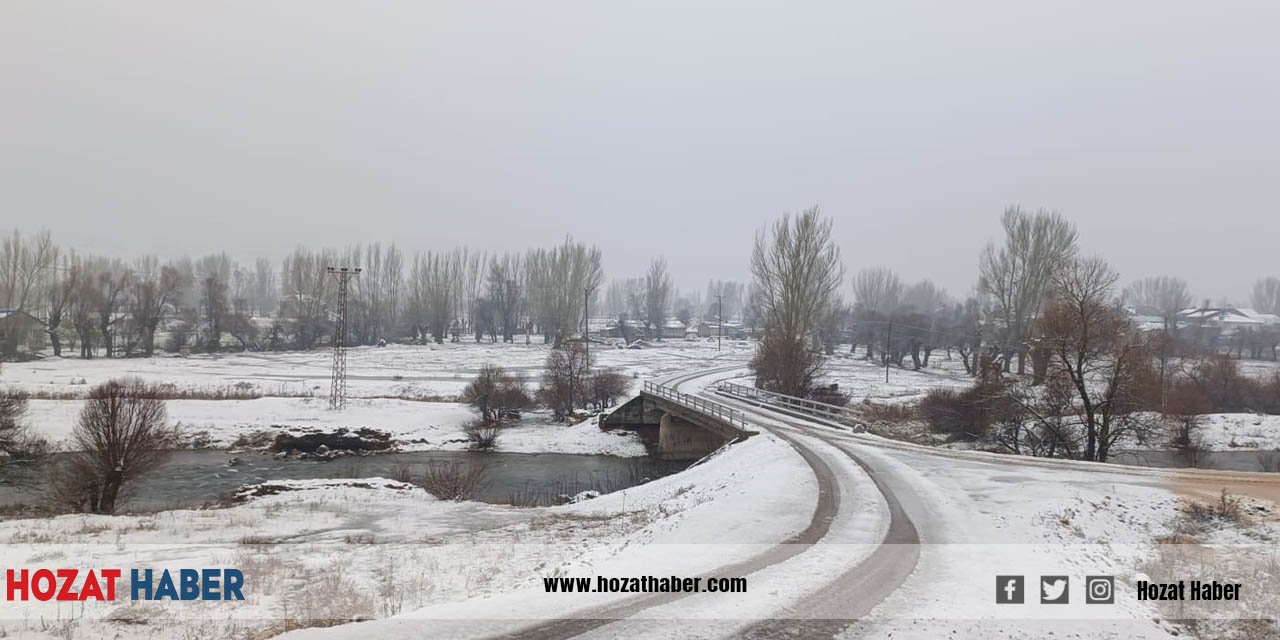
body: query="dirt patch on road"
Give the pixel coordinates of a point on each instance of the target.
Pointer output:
(1260, 489)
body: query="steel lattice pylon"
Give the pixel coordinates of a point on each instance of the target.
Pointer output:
(338, 384)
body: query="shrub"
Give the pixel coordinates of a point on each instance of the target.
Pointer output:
(1214, 384)
(483, 434)
(454, 481)
(969, 413)
(786, 365)
(607, 385)
(497, 394)
(946, 410)
(1227, 508)
(831, 394)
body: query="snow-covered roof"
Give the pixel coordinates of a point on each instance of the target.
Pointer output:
(1265, 318)
(5, 313)
(1146, 319)
(1227, 317)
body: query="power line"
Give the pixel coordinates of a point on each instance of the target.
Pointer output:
(338, 382)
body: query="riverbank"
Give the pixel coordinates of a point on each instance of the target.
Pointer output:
(410, 425)
(336, 551)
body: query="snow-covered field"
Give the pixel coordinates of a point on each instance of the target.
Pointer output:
(409, 371)
(1237, 431)
(383, 383)
(862, 379)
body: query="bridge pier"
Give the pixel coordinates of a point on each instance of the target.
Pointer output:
(680, 439)
(673, 430)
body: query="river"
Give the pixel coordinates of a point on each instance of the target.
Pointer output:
(192, 478)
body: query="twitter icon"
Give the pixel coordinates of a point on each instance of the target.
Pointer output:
(1053, 590)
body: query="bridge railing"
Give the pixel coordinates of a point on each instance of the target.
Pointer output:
(792, 403)
(701, 405)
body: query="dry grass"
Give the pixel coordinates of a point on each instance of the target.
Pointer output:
(237, 391)
(328, 601)
(1227, 508)
(877, 412)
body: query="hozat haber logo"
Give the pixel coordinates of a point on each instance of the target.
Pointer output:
(106, 585)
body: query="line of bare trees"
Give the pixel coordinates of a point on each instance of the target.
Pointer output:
(97, 306)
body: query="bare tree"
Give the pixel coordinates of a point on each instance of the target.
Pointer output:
(564, 382)
(1266, 295)
(556, 280)
(82, 307)
(374, 299)
(122, 435)
(657, 297)
(61, 292)
(112, 280)
(154, 298)
(433, 294)
(1091, 348)
(505, 293)
(25, 264)
(213, 273)
(926, 298)
(729, 295)
(1165, 294)
(19, 448)
(306, 296)
(470, 287)
(796, 272)
(877, 290)
(1017, 274)
(266, 288)
(965, 333)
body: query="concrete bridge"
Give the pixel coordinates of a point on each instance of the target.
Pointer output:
(678, 425)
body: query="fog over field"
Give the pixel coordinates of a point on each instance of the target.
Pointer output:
(658, 129)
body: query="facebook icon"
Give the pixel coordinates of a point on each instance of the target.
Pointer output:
(1008, 589)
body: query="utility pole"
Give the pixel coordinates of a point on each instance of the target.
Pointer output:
(338, 383)
(586, 323)
(887, 342)
(719, 319)
(586, 342)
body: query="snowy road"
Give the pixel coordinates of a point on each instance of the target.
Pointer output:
(823, 613)
(902, 541)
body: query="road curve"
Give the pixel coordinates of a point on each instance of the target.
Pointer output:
(819, 524)
(823, 613)
(828, 611)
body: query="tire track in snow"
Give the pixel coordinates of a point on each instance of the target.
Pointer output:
(819, 524)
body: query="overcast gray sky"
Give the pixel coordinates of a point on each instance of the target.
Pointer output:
(177, 127)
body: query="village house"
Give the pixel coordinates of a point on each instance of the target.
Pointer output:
(20, 332)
